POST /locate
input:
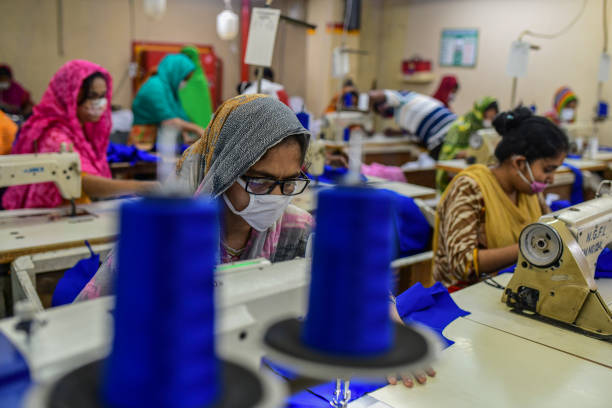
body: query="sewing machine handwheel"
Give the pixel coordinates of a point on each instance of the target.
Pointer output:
(540, 245)
(476, 141)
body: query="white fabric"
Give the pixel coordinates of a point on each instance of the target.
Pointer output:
(267, 87)
(122, 120)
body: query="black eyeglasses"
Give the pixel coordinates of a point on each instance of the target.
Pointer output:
(265, 185)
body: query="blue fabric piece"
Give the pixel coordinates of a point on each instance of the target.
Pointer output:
(577, 195)
(509, 269)
(559, 205)
(319, 395)
(574, 156)
(604, 265)
(14, 375)
(332, 175)
(75, 279)
(304, 119)
(432, 307)
(413, 231)
(120, 153)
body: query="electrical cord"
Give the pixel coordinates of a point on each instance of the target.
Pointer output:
(561, 32)
(493, 283)
(605, 25)
(126, 74)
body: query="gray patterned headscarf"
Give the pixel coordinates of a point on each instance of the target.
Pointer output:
(242, 130)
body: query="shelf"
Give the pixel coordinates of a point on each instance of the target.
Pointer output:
(419, 78)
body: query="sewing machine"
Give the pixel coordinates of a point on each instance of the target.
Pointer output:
(554, 276)
(63, 169)
(316, 156)
(583, 137)
(482, 146)
(336, 122)
(250, 295)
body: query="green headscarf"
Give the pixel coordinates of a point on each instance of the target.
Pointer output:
(458, 136)
(195, 96)
(157, 99)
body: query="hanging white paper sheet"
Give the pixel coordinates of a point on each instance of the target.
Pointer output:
(518, 59)
(262, 35)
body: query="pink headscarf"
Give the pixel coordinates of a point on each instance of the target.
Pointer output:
(55, 121)
(447, 86)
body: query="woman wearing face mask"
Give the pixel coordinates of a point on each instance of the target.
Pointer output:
(565, 103)
(75, 110)
(250, 158)
(482, 213)
(157, 103)
(14, 98)
(449, 86)
(458, 137)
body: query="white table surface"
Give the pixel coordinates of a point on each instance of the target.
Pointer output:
(484, 304)
(27, 230)
(489, 368)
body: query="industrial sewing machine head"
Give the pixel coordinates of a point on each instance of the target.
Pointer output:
(482, 146)
(336, 122)
(63, 169)
(554, 276)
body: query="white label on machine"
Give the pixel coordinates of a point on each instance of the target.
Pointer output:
(262, 35)
(604, 67)
(518, 59)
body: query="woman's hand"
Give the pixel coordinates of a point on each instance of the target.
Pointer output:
(408, 381)
(146, 187)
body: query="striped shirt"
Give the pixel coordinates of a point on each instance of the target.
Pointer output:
(421, 115)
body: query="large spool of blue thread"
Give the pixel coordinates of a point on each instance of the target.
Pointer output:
(348, 310)
(163, 350)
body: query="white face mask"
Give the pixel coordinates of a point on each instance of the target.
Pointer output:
(182, 84)
(451, 97)
(97, 107)
(263, 210)
(486, 123)
(4, 86)
(567, 114)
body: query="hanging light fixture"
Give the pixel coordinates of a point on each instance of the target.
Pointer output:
(227, 23)
(155, 8)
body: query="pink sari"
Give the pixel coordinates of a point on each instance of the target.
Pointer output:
(55, 122)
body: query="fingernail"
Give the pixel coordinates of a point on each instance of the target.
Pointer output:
(408, 383)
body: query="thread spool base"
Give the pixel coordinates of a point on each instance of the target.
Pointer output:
(412, 348)
(241, 389)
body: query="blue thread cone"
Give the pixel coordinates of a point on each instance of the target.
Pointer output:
(164, 351)
(348, 309)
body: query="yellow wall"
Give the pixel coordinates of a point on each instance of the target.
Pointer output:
(99, 30)
(412, 27)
